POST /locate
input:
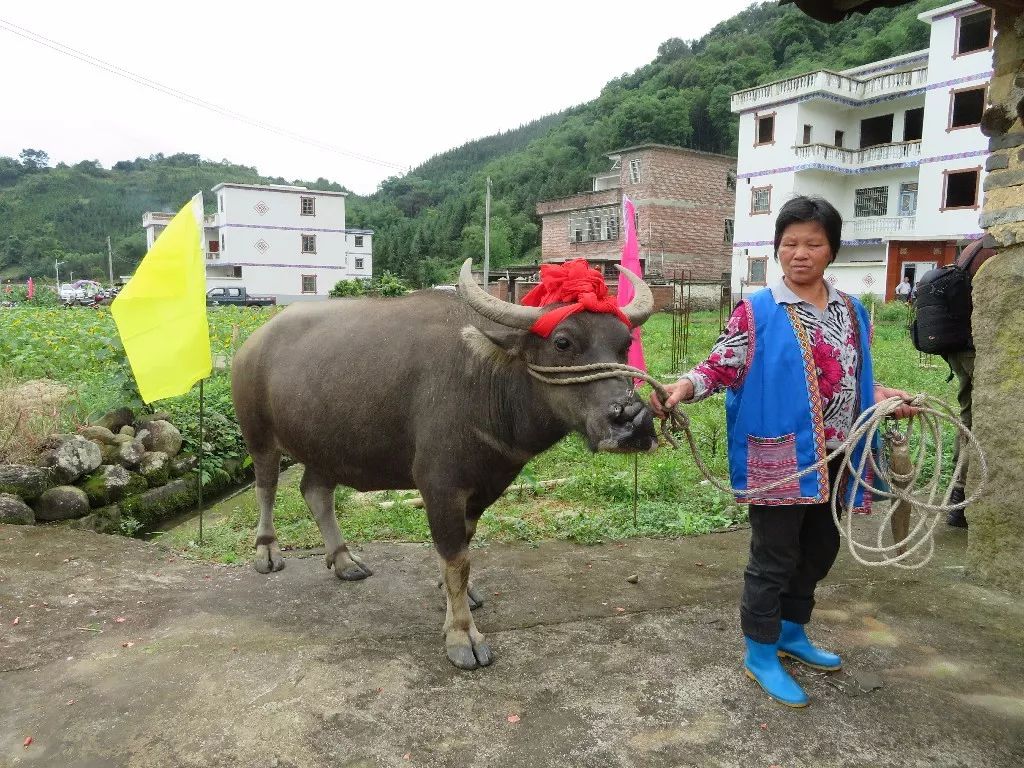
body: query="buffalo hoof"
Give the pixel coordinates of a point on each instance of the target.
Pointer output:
(476, 598)
(470, 656)
(351, 568)
(268, 558)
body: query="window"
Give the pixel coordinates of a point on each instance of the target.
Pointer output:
(222, 241)
(871, 201)
(634, 171)
(236, 272)
(908, 199)
(727, 238)
(839, 138)
(214, 246)
(965, 107)
(359, 263)
(307, 206)
(875, 130)
(760, 200)
(594, 224)
(220, 203)
(765, 129)
(309, 243)
(309, 283)
(974, 32)
(730, 180)
(359, 241)
(807, 134)
(757, 270)
(961, 189)
(913, 123)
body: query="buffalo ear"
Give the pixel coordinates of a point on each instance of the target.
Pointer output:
(510, 340)
(498, 346)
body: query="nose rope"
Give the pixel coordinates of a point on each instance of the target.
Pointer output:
(901, 487)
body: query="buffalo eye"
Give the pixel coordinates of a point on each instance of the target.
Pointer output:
(563, 344)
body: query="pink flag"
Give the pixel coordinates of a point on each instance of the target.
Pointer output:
(31, 289)
(631, 261)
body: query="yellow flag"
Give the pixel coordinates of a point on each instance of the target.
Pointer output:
(161, 312)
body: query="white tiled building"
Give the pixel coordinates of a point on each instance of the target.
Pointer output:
(276, 240)
(894, 145)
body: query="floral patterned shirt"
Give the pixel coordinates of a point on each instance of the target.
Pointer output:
(831, 331)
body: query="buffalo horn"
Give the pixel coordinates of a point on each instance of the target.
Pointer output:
(511, 315)
(642, 305)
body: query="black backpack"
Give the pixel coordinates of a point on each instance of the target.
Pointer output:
(943, 310)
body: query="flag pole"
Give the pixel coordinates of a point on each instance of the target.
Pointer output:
(201, 408)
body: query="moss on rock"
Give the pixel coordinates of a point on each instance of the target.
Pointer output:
(158, 504)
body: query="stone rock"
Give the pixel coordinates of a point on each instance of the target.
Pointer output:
(127, 431)
(106, 484)
(184, 464)
(156, 468)
(114, 420)
(142, 435)
(633, 579)
(131, 453)
(98, 434)
(136, 484)
(15, 511)
(24, 481)
(158, 504)
(123, 437)
(75, 457)
(108, 519)
(111, 454)
(62, 503)
(53, 442)
(87, 523)
(164, 437)
(146, 418)
(233, 467)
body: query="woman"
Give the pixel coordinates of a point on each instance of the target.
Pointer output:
(796, 360)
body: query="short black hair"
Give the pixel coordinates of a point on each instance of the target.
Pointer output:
(803, 208)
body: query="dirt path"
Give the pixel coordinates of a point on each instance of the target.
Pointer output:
(219, 666)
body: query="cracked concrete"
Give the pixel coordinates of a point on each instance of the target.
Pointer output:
(219, 666)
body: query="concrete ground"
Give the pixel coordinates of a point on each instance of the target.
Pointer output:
(124, 655)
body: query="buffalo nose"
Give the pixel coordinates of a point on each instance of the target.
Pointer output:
(623, 413)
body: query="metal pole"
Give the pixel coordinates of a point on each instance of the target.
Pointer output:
(201, 409)
(487, 235)
(636, 483)
(110, 261)
(56, 266)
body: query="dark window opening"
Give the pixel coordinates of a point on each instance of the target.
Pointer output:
(236, 272)
(975, 32)
(961, 189)
(875, 130)
(807, 134)
(967, 108)
(766, 129)
(757, 270)
(839, 138)
(913, 124)
(727, 239)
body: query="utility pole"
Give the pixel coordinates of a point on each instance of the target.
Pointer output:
(110, 261)
(56, 267)
(487, 235)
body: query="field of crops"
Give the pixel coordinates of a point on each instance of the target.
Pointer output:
(80, 347)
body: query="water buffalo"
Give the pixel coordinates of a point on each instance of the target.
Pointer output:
(429, 391)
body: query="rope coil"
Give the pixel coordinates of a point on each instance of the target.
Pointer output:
(901, 488)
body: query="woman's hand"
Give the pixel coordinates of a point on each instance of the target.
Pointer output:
(904, 411)
(680, 392)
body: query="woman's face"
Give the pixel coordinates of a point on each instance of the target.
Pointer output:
(804, 252)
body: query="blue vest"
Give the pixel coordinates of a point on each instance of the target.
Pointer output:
(774, 414)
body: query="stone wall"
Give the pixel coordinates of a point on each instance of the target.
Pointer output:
(116, 476)
(996, 534)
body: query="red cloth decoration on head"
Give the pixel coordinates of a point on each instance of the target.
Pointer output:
(575, 284)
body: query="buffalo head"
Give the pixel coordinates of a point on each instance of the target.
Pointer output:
(606, 412)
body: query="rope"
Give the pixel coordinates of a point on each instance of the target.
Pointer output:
(900, 488)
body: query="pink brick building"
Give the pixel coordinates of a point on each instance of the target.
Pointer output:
(684, 201)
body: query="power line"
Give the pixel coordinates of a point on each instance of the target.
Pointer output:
(167, 90)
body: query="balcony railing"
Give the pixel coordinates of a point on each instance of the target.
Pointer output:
(833, 83)
(894, 152)
(212, 256)
(606, 181)
(877, 226)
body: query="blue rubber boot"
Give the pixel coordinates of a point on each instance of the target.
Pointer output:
(762, 665)
(793, 642)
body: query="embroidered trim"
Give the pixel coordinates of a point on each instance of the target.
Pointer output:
(768, 460)
(869, 475)
(751, 344)
(817, 408)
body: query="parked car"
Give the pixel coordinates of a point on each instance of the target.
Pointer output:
(237, 296)
(83, 292)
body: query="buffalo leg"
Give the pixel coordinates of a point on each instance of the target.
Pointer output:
(267, 466)
(476, 597)
(319, 496)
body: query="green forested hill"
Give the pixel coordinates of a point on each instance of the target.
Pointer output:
(430, 219)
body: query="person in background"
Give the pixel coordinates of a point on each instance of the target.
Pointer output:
(962, 364)
(903, 289)
(796, 361)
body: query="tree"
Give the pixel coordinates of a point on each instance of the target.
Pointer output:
(345, 288)
(35, 159)
(390, 284)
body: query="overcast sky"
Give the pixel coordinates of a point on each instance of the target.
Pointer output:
(396, 82)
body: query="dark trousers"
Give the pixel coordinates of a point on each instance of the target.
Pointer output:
(962, 364)
(792, 548)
